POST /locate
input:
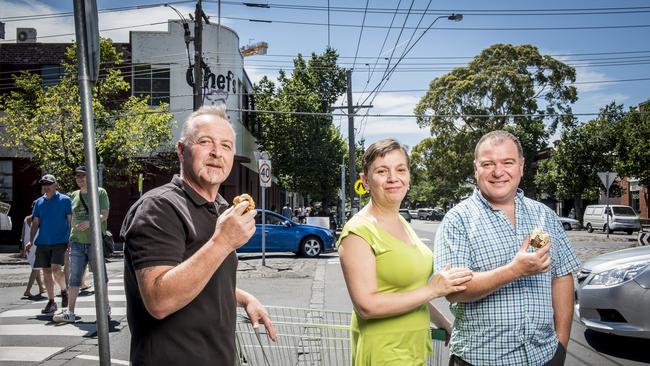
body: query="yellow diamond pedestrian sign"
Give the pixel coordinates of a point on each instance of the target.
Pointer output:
(358, 187)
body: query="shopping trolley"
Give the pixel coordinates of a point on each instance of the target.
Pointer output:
(306, 337)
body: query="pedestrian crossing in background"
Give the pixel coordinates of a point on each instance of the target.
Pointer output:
(29, 337)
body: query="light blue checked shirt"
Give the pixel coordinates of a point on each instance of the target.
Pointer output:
(513, 325)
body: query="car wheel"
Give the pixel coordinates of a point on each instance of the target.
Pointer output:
(629, 232)
(566, 226)
(607, 230)
(589, 228)
(311, 247)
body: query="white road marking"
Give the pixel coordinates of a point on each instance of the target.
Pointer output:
(115, 311)
(77, 330)
(31, 354)
(96, 358)
(111, 298)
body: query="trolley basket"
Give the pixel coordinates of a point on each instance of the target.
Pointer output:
(307, 337)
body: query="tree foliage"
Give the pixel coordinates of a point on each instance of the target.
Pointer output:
(571, 172)
(434, 182)
(44, 122)
(306, 150)
(505, 87)
(633, 146)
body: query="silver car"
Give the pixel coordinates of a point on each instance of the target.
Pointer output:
(569, 224)
(613, 293)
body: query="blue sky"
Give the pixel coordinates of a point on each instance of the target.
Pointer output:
(610, 49)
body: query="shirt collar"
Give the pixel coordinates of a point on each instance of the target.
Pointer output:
(55, 195)
(477, 196)
(220, 203)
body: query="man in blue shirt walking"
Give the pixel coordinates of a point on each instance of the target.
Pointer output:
(518, 307)
(52, 216)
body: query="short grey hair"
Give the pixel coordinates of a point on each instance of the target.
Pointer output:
(218, 110)
(498, 137)
(379, 149)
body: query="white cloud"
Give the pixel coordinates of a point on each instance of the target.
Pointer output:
(256, 74)
(404, 129)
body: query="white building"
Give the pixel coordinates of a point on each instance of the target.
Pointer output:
(160, 69)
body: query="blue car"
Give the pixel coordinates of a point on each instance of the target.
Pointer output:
(284, 235)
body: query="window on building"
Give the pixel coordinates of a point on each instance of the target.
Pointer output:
(151, 81)
(6, 180)
(51, 74)
(635, 194)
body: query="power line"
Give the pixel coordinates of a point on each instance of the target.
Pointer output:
(100, 11)
(489, 12)
(360, 35)
(481, 12)
(481, 29)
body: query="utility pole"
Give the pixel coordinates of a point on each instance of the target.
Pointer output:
(352, 150)
(198, 56)
(352, 109)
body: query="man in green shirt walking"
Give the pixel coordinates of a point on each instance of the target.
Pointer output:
(80, 239)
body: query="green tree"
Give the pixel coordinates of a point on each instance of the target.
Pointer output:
(433, 180)
(306, 150)
(571, 172)
(505, 87)
(45, 121)
(633, 146)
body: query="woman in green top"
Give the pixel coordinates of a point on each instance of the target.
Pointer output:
(388, 271)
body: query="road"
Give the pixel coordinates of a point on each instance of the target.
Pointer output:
(28, 338)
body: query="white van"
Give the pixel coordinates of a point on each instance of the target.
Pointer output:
(622, 218)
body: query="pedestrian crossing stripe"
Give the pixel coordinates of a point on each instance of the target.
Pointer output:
(111, 298)
(115, 311)
(114, 361)
(27, 354)
(38, 329)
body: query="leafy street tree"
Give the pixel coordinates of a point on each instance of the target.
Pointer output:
(633, 146)
(505, 87)
(307, 150)
(434, 182)
(44, 122)
(572, 170)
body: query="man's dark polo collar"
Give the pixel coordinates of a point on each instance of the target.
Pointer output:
(220, 203)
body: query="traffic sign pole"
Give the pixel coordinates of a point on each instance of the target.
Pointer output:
(263, 226)
(264, 168)
(607, 178)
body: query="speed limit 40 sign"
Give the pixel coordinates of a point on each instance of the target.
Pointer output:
(265, 172)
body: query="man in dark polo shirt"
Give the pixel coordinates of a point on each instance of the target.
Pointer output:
(180, 259)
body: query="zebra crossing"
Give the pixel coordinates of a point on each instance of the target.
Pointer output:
(28, 337)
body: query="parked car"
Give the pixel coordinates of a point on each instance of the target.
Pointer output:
(284, 235)
(430, 214)
(569, 224)
(622, 218)
(405, 214)
(613, 293)
(414, 213)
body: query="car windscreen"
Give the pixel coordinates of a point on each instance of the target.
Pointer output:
(623, 211)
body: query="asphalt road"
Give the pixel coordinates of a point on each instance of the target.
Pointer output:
(287, 281)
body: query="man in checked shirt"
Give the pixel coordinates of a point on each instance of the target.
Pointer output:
(518, 307)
